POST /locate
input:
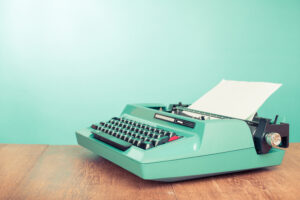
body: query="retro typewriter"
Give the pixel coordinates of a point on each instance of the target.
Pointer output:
(162, 143)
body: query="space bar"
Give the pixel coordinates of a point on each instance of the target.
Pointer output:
(113, 141)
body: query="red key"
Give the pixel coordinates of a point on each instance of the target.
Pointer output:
(174, 138)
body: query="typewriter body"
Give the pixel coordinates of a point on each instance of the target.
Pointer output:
(159, 142)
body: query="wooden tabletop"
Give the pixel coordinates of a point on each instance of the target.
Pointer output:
(72, 172)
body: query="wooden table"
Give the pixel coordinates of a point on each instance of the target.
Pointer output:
(71, 172)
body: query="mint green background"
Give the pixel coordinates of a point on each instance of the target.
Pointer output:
(66, 63)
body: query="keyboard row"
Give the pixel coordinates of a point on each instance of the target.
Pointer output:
(122, 133)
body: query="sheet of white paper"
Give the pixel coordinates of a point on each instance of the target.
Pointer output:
(238, 99)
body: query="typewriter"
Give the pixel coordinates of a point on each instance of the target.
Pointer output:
(160, 142)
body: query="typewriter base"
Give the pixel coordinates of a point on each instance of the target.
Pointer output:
(186, 168)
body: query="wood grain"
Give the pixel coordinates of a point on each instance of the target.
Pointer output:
(16, 161)
(71, 172)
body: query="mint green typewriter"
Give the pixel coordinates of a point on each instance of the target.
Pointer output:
(162, 143)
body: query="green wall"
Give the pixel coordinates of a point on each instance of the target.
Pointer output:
(65, 64)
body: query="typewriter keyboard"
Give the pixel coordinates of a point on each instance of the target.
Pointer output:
(123, 133)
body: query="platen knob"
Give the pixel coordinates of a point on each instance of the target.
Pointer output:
(273, 139)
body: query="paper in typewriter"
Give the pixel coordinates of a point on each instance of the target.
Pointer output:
(238, 99)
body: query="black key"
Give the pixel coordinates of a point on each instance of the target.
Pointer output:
(94, 126)
(151, 135)
(160, 141)
(113, 133)
(146, 145)
(102, 123)
(142, 138)
(155, 142)
(122, 136)
(138, 143)
(146, 133)
(141, 131)
(117, 134)
(133, 141)
(157, 136)
(113, 141)
(116, 118)
(104, 130)
(134, 134)
(139, 136)
(170, 134)
(125, 137)
(130, 139)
